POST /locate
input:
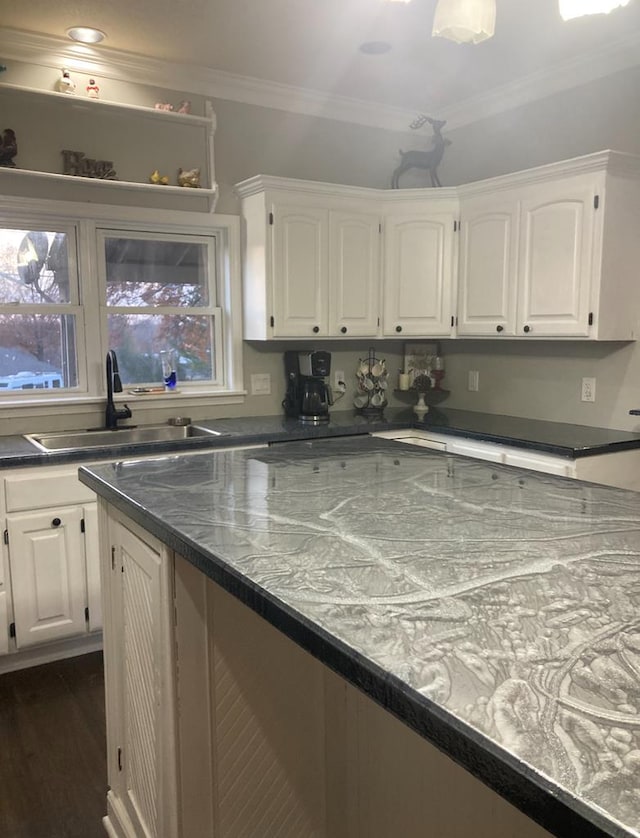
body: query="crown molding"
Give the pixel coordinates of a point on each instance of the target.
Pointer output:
(566, 75)
(216, 84)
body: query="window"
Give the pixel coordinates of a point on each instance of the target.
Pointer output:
(150, 285)
(159, 300)
(40, 316)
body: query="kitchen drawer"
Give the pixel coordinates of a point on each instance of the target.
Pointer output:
(541, 462)
(35, 489)
(479, 450)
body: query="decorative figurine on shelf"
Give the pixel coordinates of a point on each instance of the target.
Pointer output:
(8, 148)
(428, 160)
(421, 383)
(93, 91)
(163, 106)
(75, 163)
(65, 83)
(158, 179)
(372, 375)
(189, 177)
(437, 372)
(184, 106)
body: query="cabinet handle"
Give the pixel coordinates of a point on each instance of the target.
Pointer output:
(398, 328)
(56, 522)
(344, 330)
(499, 328)
(316, 329)
(527, 328)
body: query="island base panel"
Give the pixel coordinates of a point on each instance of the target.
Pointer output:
(274, 743)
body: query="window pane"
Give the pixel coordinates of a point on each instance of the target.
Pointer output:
(34, 267)
(37, 352)
(138, 340)
(156, 272)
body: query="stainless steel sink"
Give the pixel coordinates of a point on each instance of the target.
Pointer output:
(81, 440)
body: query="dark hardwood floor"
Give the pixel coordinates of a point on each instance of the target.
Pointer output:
(53, 773)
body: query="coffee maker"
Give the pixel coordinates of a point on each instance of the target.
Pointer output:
(308, 395)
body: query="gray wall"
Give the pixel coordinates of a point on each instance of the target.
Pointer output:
(543, 380)
(516, 378)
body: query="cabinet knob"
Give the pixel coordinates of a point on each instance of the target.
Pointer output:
(344, 330)
(527, 328)
(499, 328)
(56, 522)
(398, 328)
(316, 329)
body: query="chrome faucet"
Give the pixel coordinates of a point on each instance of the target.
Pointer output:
(114, 385)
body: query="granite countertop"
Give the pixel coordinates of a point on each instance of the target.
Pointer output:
(565, 440)
(492, 609)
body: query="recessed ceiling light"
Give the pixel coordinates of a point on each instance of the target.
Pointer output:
(375, 47)
(86, 34)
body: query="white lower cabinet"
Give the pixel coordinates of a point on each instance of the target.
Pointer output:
(46, 553)
(4, 623)
(51, 589)
(620, 468)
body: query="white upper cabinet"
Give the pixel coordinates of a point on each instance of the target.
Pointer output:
(557, 242)
(550, 252)
(488, 266)
(553, 252)
(354, 252)
(419, 274)
(311, 260)
(299, 270)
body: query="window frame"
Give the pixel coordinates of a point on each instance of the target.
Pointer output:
(85, 220)
(211, 310)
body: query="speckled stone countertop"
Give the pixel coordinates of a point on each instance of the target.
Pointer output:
(492, 609)
(558, 438)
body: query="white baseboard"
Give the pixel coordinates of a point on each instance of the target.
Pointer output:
(51, 652)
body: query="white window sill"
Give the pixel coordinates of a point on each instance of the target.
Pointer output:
(69, 404)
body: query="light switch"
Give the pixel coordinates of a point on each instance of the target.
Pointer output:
(260, 384)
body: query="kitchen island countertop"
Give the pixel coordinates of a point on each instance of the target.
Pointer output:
(493, 610)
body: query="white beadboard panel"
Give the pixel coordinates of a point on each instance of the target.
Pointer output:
(140, 592)
(269, 729)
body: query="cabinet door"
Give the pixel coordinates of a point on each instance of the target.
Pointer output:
(300, 271)
(46, 556)
(488, 265)
(92, 558)
(354, 270)
(4, 623)
(418, 277)
(142, 771)
(555, 263)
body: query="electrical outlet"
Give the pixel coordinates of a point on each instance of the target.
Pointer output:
(474, 381)
(338, 376)
(260, 384)
(588, 389)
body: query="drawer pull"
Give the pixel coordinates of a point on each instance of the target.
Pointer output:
(56, 522)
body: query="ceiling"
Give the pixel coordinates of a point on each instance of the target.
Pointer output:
(314, 44)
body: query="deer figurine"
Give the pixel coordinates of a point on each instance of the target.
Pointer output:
(428, 160)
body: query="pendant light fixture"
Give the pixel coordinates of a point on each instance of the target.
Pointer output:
(465, 21)
(577, 8)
